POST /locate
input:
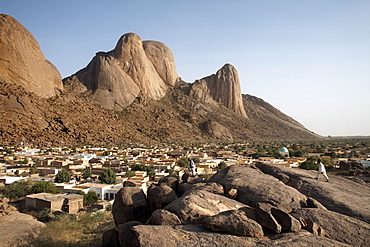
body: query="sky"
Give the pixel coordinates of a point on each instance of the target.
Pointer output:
(309, 59)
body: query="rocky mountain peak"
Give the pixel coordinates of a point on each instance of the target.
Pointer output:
(223, 87)
(130, 70)
(22, 62)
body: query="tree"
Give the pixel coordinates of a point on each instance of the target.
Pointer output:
(43, 186)
(222, 165)
(17, 189)
(169, 171)
(183, 162)
(33, 169)
(309, 164)
(90, 198)
(63, 176)
(108, 176)
(86, 173)
(130, 174)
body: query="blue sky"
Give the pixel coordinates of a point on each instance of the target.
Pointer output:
(309, 59)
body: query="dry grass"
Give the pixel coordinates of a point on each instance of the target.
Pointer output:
(75, 230)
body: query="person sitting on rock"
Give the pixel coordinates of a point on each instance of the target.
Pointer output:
(321, 170)
(192, 167)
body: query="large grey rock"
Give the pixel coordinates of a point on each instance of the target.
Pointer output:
(125, 235)
(222, 87)
(159, 196)
(110, 238)
(22, 61)
(195, 236)
(163, 217)
(130, 205)
(253, 186)
(172, 181)
(233, 222)
(193, 207)
(337, 226)
(288, 223)
(340, 195)
(131, 69)
(18, 229)
(265, 218)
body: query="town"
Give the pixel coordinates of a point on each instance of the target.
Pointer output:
(84, 167)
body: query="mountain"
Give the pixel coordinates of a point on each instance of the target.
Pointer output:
(22, 62)
(131, 94)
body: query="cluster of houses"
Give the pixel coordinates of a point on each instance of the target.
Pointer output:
(162, 160)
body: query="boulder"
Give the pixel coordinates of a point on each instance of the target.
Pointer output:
(188, 235)
(288, 223)
(233, 222)
(195, 235)
(130, 205)
(22, 61)
(339, 195)
(265, 218)
(214, 188)
(110, 238)
(125, 234)
(337, 226)
(18, 229)
(254, 186)
(172, 181)
(163, 217)
(159, 196)
(193, 207)
(301, 238)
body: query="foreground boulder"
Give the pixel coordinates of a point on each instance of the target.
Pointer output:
(340, 195)
(195, 235)
(130, 204)
(193, 207)
(233, 222)
(253, 186)
(337, 226)
(18, 229)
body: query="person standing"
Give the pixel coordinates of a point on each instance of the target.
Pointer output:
(192, 168)
(321, 170)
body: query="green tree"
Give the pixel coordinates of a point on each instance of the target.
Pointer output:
(43, 186)
(183, 162)
(63, 176)
(86, 173)
(33, 169)
(222, 165)
(130, 174)
(169, 171)
(108, 176)
(17, 189)
(309, 164)
(151, 173)
(89, 198)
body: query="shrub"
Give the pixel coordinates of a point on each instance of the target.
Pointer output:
(108, 176)
(43, 186)
(63, 176)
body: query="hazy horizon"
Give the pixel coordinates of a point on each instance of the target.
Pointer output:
(309, 59)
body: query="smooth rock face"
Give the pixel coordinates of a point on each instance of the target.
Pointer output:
(223, 87)
(160, 196)
(130, 204)
(254, 186)
(22, 62)
(234, 222)
(132, 69)
(337, 226)
(193, 207)
(164, 217)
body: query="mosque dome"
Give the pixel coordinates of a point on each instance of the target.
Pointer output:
(283, 150)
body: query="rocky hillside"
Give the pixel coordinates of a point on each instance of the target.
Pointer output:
(131, 94)
(243, 205)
